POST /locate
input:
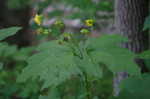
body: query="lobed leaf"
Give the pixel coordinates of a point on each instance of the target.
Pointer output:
(53, 65)
(4, 33)
(144, 55)
(107, 50)
(135, 88)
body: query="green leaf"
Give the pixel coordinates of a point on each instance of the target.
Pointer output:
(147, 23)
(52, 94)
(54, 64)
(126, 95)
(4, 33)
(106, 41)
(87, 64)
(144, 55)
(23, 53)
(136, 87)
(7, 50)
(43, 97)
(107, 50)
(117, 62)
(1, 65)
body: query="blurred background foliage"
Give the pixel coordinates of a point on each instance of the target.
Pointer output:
(18, 4)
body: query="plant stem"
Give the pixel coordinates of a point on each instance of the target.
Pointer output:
(87, 86)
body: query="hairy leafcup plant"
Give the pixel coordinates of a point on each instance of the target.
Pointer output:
(72, 68)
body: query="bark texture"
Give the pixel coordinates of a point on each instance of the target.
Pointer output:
(16, 17)
(130, 16)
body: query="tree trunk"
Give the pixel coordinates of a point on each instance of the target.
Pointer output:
(130, 16)
(16, 17)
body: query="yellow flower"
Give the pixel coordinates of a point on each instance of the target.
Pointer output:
(38, 19)
(89, 22)
(85, 31)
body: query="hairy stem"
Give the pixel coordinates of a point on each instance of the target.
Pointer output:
(87, 86)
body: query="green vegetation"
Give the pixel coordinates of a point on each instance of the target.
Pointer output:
(72, 65)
